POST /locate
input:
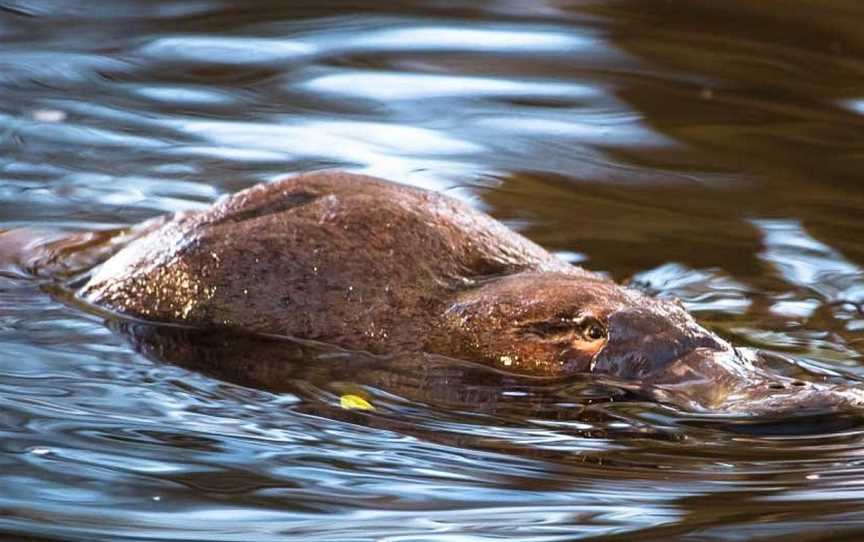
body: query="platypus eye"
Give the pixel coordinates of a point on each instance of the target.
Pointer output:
(593, 330)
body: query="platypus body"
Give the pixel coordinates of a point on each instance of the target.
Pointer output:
(367, 264)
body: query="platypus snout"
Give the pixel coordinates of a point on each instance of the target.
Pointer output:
(736, 381)
(644, 341)
(677, 361)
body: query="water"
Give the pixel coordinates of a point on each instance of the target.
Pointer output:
(710, 151)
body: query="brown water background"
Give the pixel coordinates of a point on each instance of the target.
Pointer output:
(709, 150)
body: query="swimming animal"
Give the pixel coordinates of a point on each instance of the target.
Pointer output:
(371, 265)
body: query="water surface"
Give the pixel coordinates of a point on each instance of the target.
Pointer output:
(706, 150)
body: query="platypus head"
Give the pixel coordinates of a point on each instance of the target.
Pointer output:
(556, 325)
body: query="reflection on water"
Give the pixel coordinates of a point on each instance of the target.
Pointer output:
(708, 151)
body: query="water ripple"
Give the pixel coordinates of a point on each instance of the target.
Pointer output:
(709, 152)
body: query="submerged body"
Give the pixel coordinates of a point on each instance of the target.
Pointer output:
(371, 265)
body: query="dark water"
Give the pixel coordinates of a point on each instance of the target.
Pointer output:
(708, 150)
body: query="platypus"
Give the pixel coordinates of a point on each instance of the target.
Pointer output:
(368, 264)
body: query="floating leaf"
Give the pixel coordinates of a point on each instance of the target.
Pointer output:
(355, 402)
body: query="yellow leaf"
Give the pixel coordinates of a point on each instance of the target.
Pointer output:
(354, 402)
